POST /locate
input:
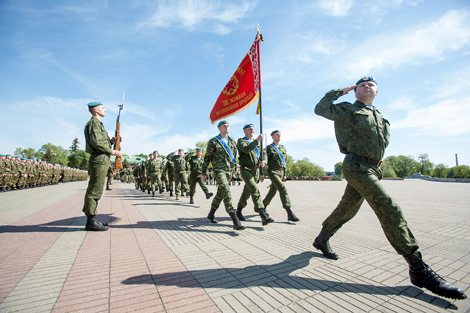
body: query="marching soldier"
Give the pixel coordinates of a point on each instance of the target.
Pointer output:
(250, 164)
(363, 134)
(180, 168)
(195, 163)
(277, 156)
(222, 152)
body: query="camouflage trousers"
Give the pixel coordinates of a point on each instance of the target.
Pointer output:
(171, 179)
(97, 168)
(196, 179)
(164, 180)
(276, 177)
(181, 182)
(155, 182)
(250, 177)
(223, 179)
(364, 183)
(109, 180)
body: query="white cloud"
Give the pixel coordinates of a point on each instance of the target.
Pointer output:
(336, 7)
(447, 118)
(192, 13)
(306, 127)
(413, 45)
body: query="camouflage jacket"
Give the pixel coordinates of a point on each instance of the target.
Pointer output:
(219, 158)
(358, 129)
(274, 159)
(96, 137)
(247, 153)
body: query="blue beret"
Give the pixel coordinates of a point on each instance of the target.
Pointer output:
(155, 151)
(275, 131)
(94, 104)
(248, 125)
(198, 149)
(222, 123)
(366, 79)
(2, 155)
(8, 155)
(180, 149)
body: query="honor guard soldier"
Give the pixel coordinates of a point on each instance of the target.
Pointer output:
(363, 134)
(250, 164)
(195, 164)
(98, 145)
(277, 156)
(222, 152)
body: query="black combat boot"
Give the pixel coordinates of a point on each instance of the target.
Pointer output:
(265, 219)
(209, 194)
(240, 215)
(236, 222)
(291, 216)
(148, 191)
(211, 216)
(160, 190)
(107, 188)
(93, 224)
(423, 276)
(321, 243)
(153, 193)
(171, 193)
(191, 200)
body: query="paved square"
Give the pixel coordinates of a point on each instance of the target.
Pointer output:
(163, 255)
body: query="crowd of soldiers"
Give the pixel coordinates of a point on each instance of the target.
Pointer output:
(177, 173)
(18, 173)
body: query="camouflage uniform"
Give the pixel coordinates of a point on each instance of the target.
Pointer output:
(170, 171)
(250, 172)
(223, 169)
(195, 177)
(181, 166)
(363, 134)
(109, 175)
(98, 145)
(276, 173)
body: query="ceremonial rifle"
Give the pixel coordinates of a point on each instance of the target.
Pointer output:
(117, 143)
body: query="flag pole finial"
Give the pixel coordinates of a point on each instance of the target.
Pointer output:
(258, 35)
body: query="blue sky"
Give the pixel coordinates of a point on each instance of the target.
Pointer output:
(173, 58)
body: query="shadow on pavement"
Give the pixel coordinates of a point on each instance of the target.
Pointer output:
(275, 275)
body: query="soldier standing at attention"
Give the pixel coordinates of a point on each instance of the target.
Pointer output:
(277, 156)
(180, 168)
(363, 134)
(249, 159)
(195, 163)
(98, 145)
(222, 152)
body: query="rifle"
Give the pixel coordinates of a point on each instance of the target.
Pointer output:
(117, 143)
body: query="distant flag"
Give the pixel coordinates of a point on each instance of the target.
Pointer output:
(243, 88)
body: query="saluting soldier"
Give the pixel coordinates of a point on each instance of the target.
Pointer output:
(277, 156)
(363, 134)
(195, 163)
(250, 164)
(98, 145)
(222, 153)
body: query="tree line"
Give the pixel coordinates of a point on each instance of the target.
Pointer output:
(404, 166)
(392, 166)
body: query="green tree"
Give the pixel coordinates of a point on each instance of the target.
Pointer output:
(402, 165)
(339, 169)
(306, 168)
(78, 160)
(54, 154)
(74, 147)
(28, 153)
(424, 165)
(387, 169)
(440, 171)
(461, 171)
(289, 165)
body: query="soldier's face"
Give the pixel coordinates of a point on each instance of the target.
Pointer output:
(366, 89)
(276, 137)
(249, 132)
(180, 153)
(198, 153)
(224, 128)
(100, 110)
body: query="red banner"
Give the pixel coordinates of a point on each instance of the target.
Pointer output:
(242, 90)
